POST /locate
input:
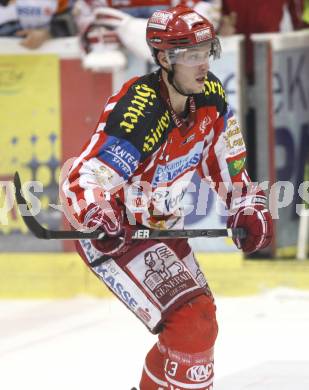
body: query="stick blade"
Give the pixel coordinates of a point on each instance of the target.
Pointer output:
(29, 220)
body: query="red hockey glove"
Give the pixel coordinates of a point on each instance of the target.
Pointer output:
(109, 217)
(255, 218)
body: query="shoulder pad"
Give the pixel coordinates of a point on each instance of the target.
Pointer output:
(139, 116)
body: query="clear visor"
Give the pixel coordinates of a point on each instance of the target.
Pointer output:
(194, 55)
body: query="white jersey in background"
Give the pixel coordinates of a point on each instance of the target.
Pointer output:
(128, 29)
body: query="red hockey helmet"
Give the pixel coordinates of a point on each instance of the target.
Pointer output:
(180, 27)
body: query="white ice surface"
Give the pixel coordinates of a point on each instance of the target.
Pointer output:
(92, 344)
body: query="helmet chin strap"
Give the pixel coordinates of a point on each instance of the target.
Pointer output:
(170, 78)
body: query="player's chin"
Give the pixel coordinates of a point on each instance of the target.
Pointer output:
(198, 89)
(194, 88)
(199, 85)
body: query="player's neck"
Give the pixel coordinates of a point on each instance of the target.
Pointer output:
(178, 101)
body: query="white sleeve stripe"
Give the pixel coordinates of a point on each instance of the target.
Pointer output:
(88, 150)
(221, 159)
(67, 185)
(101, 126)
(71, 195)
(89, 196)
(110, 106)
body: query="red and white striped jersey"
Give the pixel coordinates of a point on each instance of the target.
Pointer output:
(138, 153)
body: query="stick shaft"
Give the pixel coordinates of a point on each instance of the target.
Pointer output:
(137, 234)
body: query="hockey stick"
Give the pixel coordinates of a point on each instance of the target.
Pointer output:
(138, 234)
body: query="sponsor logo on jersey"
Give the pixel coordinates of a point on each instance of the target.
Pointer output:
(31, 15)
(214, 87)
(154, 136)
(203, 35)
(205, 122)
(169, 199)
(189, 139)
(136, 199)
(143, 314)
(159, 20)
(110, 279)
(174, 201)
(200, 373)
(144, 96)
(120, 155)
(90, 251)
(34, 11)
(166, 276)
(139, 203)
(168, 172)
(103, 175)
(233, 137)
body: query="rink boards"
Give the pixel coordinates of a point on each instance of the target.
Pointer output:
(56, 275)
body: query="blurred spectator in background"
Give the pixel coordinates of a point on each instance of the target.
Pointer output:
(36, 20)
(103, 29)
(306, 13)
(8, 18)
(258, 16)
(145, 8)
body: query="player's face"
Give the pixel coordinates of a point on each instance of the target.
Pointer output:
(191, 79)
(191, 67)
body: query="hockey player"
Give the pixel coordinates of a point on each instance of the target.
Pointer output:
(152, 136)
